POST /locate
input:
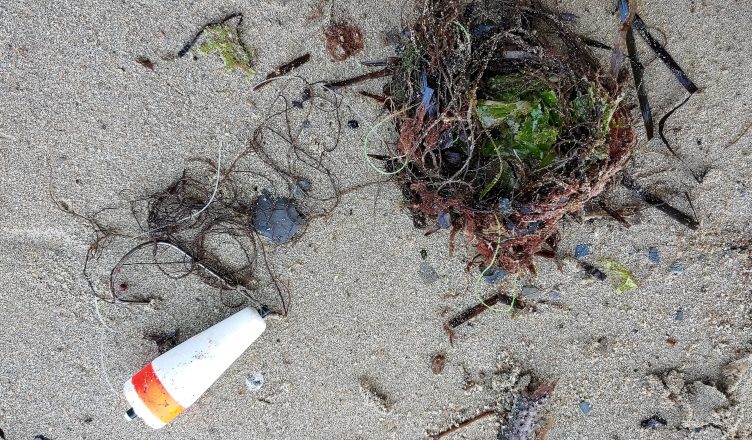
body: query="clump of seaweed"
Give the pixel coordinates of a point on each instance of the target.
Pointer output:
(343, 40)
(223, 38)
(506, 123)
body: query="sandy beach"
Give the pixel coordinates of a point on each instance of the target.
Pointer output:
(85, 124)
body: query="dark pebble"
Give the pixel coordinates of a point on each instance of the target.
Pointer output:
(653, 422)
(352, 123)
(276, 218)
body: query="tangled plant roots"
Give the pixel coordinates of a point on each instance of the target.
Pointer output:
(508, 123)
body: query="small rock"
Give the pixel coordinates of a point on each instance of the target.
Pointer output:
(423, 254)
(677, 268)
(254, 382)
(306, 124)
(352, 123)
(585, 407)
(555, 295)
(437, 363)
(582, 250)
(504, 205)
(445, 220)
(276, 218)
(679, 315)
(653, 422)
(428, 273)
(530, 291)
(300, 190)
(493, 275)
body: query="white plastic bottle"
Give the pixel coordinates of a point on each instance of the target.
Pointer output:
(173, 381)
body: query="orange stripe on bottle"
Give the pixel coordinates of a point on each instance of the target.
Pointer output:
(154, 395)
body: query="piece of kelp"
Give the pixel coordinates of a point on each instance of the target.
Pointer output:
(662, 54)
(662, 126)
(637, 73)
(623, 279)
(658, 203)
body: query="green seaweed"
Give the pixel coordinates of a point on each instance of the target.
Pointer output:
(624, 281)
(224, 40)
(523, 117)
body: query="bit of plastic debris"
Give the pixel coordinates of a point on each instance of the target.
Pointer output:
(582, 250)
(529, 291)
(427, 273)
(276, 218)
(300, 190)
(254, 382)
(653, 255)
(585, 407)
(677, 267)
(671, 341)
(123, 287)
(352, 123)
(679, 315)
(624, 281)
(493, 275)
(306, 124)
(555, 295)
(653, 422)
(445, 220)
(437, 363)
(423, 254)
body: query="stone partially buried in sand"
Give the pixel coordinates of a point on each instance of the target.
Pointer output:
(276, 218)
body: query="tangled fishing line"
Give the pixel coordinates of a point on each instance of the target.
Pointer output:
(506, 123)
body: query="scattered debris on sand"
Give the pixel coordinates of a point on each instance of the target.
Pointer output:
(519, 406)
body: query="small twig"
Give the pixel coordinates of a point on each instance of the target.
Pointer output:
(463, 424)
(740, 135)
(284, 69)
(479, 308)
(333, 85)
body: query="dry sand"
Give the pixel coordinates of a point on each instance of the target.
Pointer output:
(80, 118)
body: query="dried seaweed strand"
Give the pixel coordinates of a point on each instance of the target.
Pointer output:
(663, 55)
(658, 203)
(187, 47)
(642, 95)
(662, 126)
